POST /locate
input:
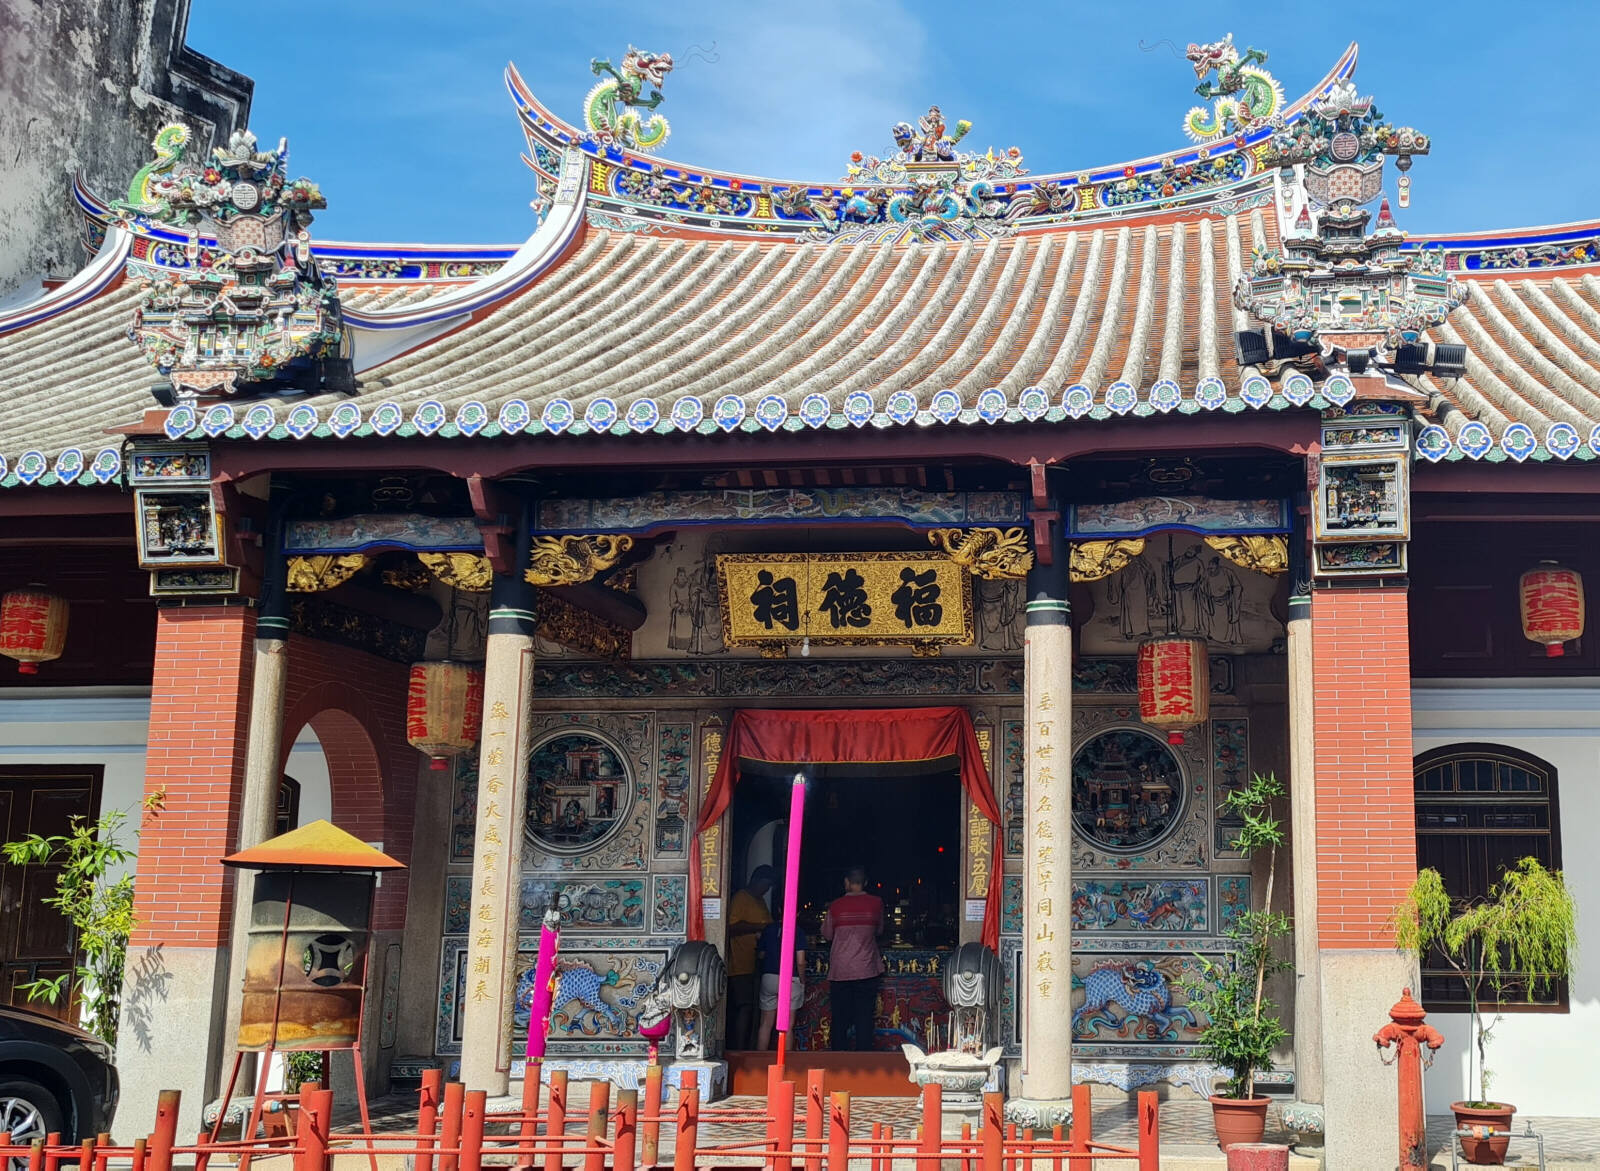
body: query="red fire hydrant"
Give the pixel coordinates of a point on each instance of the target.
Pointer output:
(1408, 1034)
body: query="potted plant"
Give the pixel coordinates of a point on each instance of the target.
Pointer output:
(1520, 938)
(1242, 1025)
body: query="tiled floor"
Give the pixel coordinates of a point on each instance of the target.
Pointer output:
(1185, 1123)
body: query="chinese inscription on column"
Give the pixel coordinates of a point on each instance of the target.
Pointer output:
(488, 926)
(980, 831)
(711, 837)
(1049, 841)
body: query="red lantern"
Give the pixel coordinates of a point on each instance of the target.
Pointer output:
(444, 709)
(1552, 606)
(33, 627)
(1174, 684)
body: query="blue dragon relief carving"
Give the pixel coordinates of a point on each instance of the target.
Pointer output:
(1141, 991)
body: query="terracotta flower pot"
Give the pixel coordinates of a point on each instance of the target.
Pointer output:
(1239, 1120)
(1482, 1149)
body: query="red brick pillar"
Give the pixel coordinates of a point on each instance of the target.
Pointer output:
(1366, 851)
(174, 992)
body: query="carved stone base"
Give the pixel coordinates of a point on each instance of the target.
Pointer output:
(627, 1073)
(1039, 1114)
(1304, 1120)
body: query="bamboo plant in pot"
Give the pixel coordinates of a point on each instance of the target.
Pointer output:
(1242, 1024)
(1521, 938)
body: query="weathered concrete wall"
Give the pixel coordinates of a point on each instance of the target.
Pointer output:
(84, 86)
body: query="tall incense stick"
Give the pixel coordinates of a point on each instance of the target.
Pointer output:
(791, 907)
(544, 986)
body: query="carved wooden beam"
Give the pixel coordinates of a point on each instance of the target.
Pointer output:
(614, 606)
(415, 610)
(496, 511)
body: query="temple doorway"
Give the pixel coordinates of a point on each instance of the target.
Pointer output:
(902, 824)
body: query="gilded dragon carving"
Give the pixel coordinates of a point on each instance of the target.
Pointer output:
(992, 554)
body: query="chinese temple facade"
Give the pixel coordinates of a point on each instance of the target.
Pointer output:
(1030, 514)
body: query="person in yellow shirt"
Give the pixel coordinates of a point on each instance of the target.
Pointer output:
(747, 917)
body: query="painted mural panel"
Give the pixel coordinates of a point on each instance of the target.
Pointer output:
(579, 792)
(1161, 904)
(1129, 1004)
(669, 908)
(1139, 804)
(607, 904)
(1230, 770)
(1180, 585)
(464, 808)
(673, 774)
(1015, 805)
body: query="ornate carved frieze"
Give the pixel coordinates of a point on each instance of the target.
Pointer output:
(317, 572)
(1263, 554)
(1092, 560)
(559, 561)
(992, 554)
(463, 571)
(1361, 513)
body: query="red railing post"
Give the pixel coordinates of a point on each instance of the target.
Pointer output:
(555, 1125)
(1408, 1034)
(450, 1132)
(816, 1113)
(781, 1128)
(165, 1135)
(52, 1150)
(993, 1136)
(474, 1109)
(627, 1130)
(683, 1149)
(311, 1131)
(932, 1126)
(876, 1137)
(1082, 1119)
(839, 1131)
(966, 1152)
(651, 1136)
(1149, 1131)
(36, 1155)
(594, 1143)
(427, 1117)
(528, 1132)
(138, 1155)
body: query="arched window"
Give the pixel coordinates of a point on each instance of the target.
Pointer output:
(1480, 809)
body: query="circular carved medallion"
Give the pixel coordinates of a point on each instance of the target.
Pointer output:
(1127, 790)
(579, 792)
(245, 195)
(1344, 147)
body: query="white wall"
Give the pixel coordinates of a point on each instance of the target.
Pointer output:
(109, 726)
(1542, 1062)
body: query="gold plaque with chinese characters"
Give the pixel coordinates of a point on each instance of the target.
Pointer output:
(846, 599)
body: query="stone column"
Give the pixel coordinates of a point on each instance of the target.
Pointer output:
(1045, 998)
(1303, 830)
(263, 773)
(486, 1048)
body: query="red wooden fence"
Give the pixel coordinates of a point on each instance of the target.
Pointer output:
(456, 1133)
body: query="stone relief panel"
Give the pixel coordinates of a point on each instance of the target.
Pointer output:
(1230, 770)
(629, 738)
(579, 792)
(1180, 585)
(669, 908)
(599, 987)
(585, 903)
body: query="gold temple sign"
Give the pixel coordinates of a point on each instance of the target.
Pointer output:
(872, 599)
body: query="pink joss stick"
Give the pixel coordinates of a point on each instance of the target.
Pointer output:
(544, 979)
(791, 906)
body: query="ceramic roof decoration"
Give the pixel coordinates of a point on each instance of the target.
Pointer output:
(253, 309)
(612, 109)
(1001, 296)
(1332, 284)
(1244, 94)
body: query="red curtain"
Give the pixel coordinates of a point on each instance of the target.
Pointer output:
(896, 736)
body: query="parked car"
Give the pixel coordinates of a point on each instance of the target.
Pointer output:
(54, 1078)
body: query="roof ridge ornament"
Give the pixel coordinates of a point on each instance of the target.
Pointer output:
(1246, 95)
(611, 109)
(257, 309)
(1334, 292)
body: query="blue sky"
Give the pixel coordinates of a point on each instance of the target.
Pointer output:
(398, 108)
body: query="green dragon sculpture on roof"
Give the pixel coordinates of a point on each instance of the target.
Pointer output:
(1245, 94)
(611, 109)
